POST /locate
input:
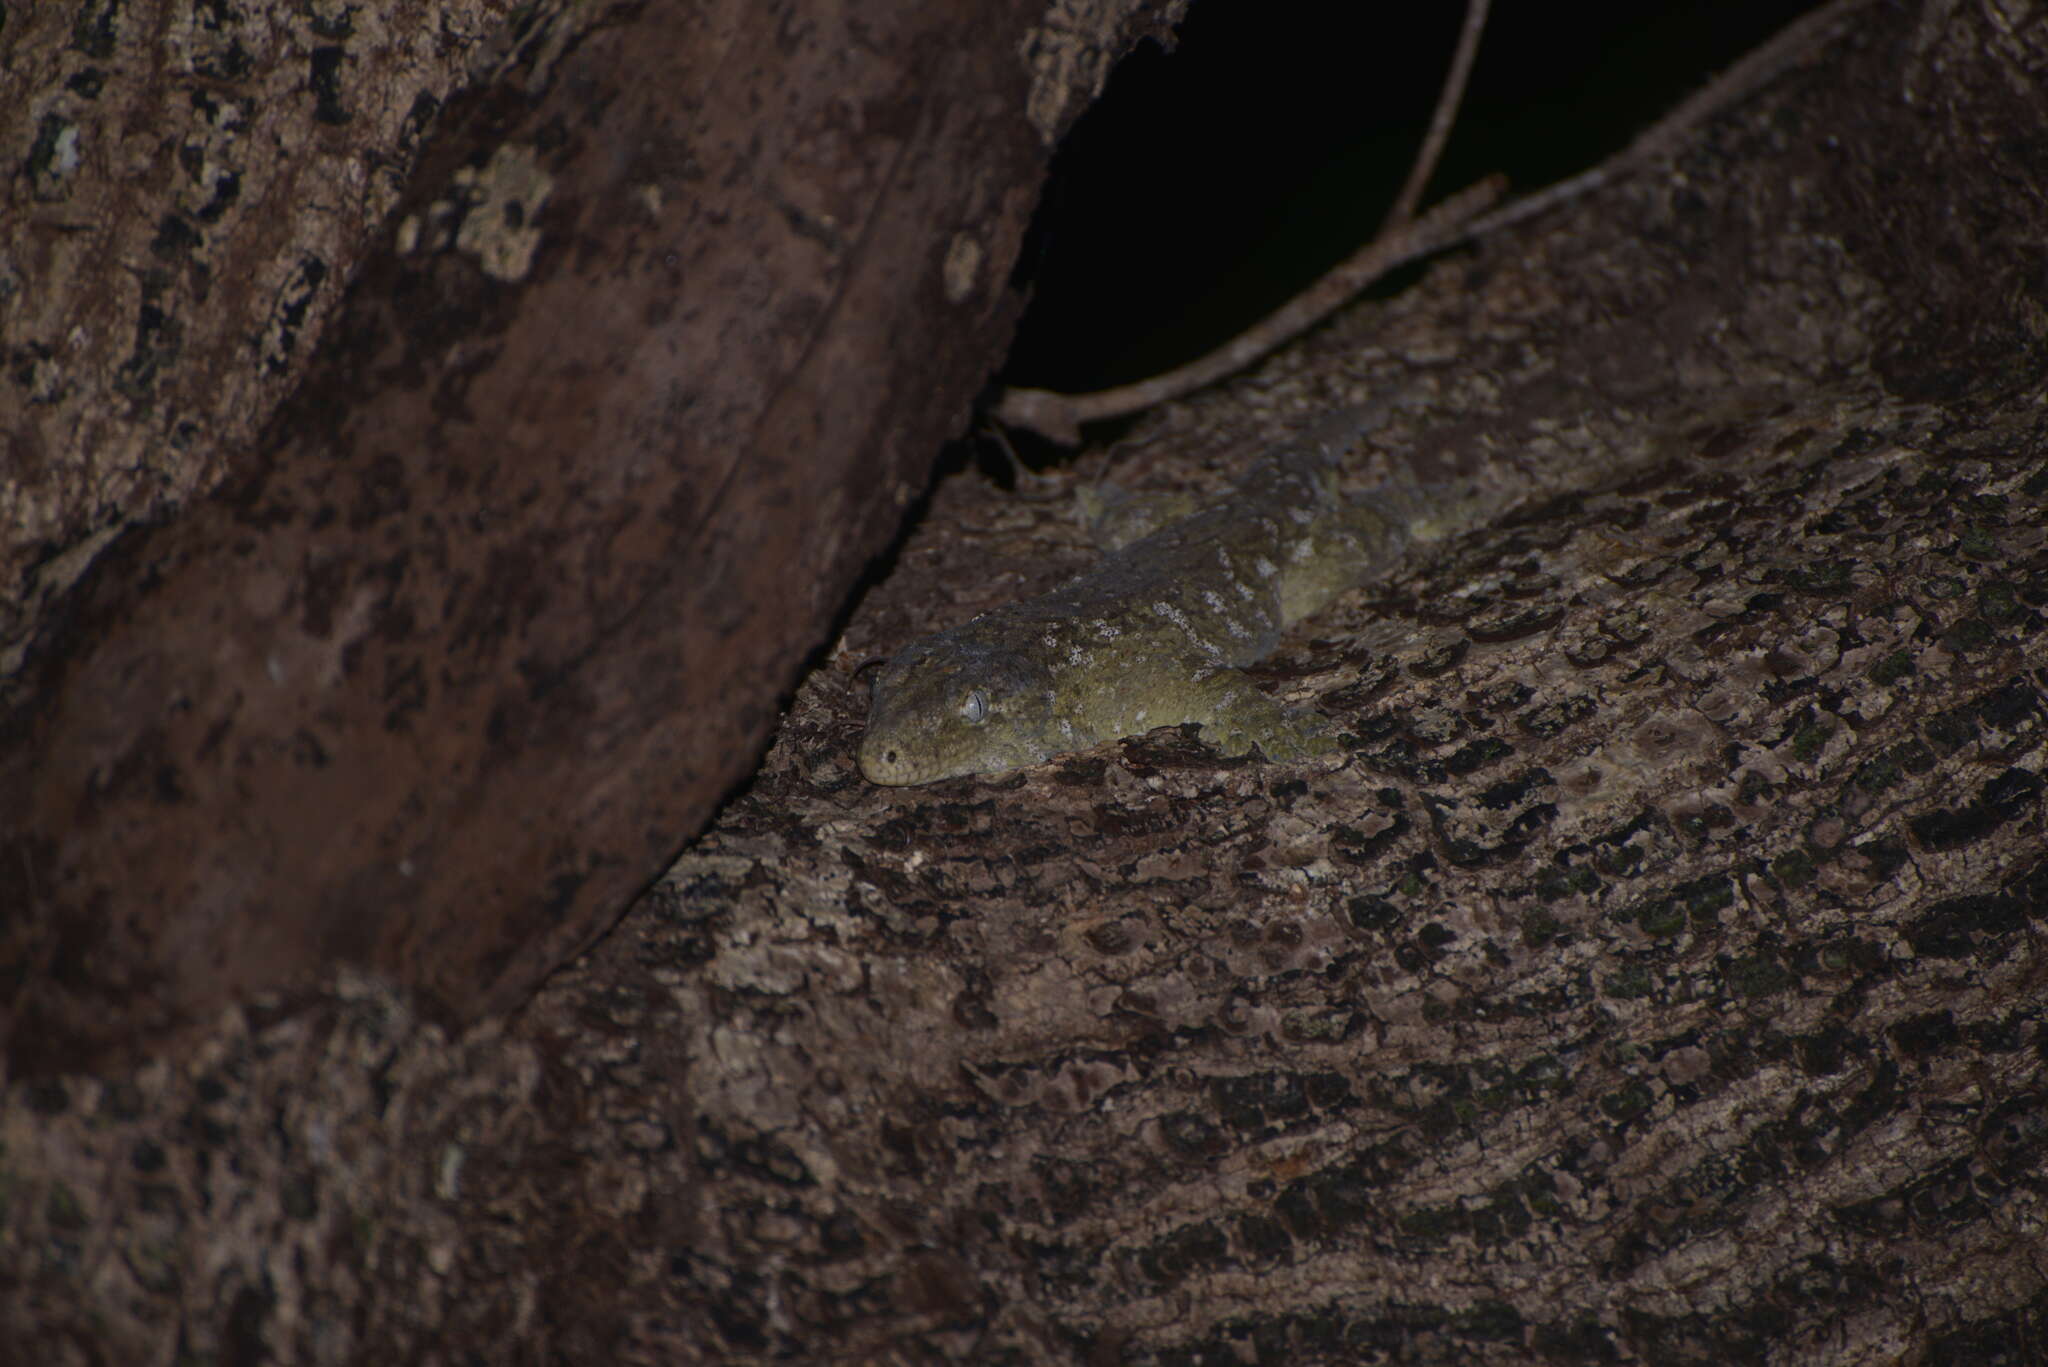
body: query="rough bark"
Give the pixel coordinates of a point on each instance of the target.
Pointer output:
(189, 187)
(643, 368)
(1659, 978)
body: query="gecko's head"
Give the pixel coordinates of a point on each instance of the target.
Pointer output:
(949, 706)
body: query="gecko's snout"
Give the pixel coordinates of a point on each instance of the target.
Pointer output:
(875, 763)
(881, 757)
(881, 762)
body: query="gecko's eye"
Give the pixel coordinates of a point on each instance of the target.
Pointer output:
(974, 707)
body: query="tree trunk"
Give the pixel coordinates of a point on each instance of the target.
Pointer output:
(1658, 977)
(640, 374)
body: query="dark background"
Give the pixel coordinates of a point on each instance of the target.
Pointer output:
(1212, 183)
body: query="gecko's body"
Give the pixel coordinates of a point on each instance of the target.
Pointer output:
(1153, 636)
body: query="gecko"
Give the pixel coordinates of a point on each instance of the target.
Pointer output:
(1155, 635)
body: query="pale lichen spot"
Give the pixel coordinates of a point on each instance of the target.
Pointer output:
(64, 157)
(963, 267)
(504, 201)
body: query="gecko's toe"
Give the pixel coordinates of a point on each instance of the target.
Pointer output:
(1307, 735)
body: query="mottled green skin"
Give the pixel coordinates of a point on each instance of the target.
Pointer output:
(1151, 637)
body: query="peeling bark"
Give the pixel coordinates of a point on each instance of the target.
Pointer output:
(1658, 978)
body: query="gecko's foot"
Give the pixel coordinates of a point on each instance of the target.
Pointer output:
(1295, 733)
(1308, 735)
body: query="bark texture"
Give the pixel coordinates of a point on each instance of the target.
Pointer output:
(189, 187)
(640, 375)
(1660, 977)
